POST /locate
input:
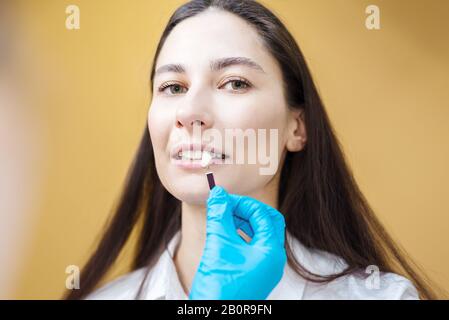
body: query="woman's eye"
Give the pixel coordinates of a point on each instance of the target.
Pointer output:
(175, 88)
(238, 84)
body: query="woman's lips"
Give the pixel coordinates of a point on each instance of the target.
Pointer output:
(194, 164)
(192, 147)
(194, 155)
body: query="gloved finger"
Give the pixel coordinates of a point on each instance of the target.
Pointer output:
(243, 225)
(277, 217)
(219, 213)
(259, 217)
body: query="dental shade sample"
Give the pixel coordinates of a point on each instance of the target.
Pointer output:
(205, 161)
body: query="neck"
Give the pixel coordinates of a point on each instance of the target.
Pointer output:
(193, 233)
(193, 236)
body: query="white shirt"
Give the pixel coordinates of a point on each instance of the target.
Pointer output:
(163, 282)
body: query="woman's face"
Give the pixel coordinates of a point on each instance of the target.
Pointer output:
(224, 96)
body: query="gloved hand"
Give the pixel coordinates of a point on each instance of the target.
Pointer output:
(230, 268)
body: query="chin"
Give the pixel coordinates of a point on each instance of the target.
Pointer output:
(190, 190)
(195, 197)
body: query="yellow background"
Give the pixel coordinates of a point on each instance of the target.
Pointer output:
(386, 92)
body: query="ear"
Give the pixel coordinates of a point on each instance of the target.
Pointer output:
(297, 134)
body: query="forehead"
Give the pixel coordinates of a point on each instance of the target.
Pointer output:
(210, 35)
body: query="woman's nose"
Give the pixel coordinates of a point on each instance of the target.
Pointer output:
(190, 124)
(188, 117)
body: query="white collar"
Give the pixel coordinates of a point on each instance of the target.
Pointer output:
(163, 283)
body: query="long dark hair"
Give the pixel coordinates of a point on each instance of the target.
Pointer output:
(322, 204)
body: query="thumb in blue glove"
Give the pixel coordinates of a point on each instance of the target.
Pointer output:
(231, 268)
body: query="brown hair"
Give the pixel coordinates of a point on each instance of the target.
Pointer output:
(322, 204)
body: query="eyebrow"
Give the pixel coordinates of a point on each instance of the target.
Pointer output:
(215, 65)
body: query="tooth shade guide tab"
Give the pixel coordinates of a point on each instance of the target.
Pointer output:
(205, 160)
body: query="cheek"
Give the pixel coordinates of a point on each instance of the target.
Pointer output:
(267, 112)
(158, 126)
(264, 110)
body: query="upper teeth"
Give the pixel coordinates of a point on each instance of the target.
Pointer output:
(197, 154)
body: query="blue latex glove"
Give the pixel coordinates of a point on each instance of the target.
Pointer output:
(230, 268)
